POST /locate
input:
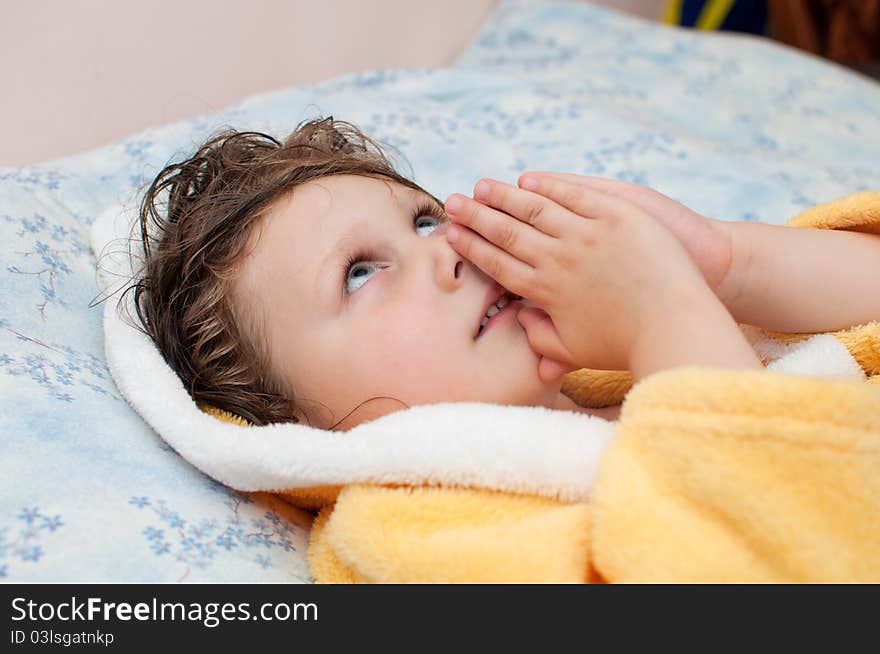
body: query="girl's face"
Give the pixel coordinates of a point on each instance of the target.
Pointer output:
(399, 322)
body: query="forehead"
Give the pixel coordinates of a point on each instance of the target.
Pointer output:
(343, 191)
(329, 206)
(320, 211)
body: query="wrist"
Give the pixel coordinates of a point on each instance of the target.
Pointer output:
(698, 332)
(739, 263)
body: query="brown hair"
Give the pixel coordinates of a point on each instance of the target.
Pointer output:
(194, 240)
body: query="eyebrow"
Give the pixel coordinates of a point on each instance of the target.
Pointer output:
(414, 195)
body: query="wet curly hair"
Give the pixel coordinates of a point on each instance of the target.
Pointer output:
(195, 219)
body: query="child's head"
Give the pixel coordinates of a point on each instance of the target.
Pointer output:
(301, 281)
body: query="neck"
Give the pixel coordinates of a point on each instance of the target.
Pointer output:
(565, 403)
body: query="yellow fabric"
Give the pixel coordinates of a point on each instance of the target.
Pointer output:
(741, 476)
(312, 498)
(714, 476)
(857, 212)
(449, 535)
(225, 416)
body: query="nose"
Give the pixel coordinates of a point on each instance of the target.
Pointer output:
(447, 263)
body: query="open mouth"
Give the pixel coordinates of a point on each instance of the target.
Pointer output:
(494, 310)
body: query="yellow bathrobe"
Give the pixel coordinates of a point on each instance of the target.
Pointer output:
(714, 476)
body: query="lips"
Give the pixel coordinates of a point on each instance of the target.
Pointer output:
(495, 293)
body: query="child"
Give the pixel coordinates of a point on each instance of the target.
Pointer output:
(307, 281)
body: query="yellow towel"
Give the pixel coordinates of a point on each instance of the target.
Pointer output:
(714, 476)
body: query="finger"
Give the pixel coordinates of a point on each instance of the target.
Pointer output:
(581, 199)
(541, 333)
(647, 199)
(505, 231)
(530, 208)
(574, 178)
(513, 274)
(599, 183)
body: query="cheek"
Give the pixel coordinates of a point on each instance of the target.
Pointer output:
(406, 347)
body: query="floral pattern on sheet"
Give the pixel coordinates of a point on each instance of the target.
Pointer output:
(735, 127)
(200, 542)
(24, 542)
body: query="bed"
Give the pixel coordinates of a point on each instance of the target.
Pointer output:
(735, 127)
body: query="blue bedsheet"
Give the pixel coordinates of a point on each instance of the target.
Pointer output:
(735, 127)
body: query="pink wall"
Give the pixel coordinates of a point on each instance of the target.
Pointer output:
(77, 74)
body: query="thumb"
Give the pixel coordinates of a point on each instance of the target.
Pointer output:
(542, 333)
(544, 340)
(549, 370)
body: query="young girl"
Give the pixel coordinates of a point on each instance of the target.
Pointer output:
(308, 281)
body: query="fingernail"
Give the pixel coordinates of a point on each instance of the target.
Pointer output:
(481, 191)
(453, 204)
(529, 183)
(452, 234)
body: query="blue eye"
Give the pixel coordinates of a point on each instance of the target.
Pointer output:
(358, 265)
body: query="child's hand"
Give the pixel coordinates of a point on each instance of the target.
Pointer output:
(604, 271)
(707, 241)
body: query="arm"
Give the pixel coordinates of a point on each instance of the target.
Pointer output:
(694, 330)
(795, 280)
(801, 280)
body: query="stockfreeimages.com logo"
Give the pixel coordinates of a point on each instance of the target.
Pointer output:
(210, 614)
